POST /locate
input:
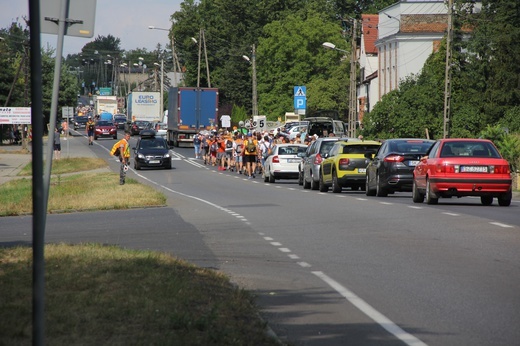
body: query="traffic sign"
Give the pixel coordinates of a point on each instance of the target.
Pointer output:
(300, 91)
(300, 102)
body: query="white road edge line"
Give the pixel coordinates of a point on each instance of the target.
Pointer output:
(501, 224)
(368, 310)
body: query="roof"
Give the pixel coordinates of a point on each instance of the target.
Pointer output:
(370, 32)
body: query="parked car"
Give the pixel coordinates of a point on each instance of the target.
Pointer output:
(324, 126)
(105, 129)
(151, 151)
(137, 126)
(80, 122)
(309, 170)
(345, 165)
(295, 130)
(160, 128)
(120, 121)
(391, 169)
(462, 167)
(283, 162)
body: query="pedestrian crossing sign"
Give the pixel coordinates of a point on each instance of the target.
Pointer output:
(300, 91)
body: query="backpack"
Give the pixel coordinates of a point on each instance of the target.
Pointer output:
(115, 149)
(196, 140)
(229, 145)
(251, 147)
(238, 149)
(205, 143)
(267, 151)
(214, 147)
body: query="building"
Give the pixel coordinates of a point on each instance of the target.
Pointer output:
(409, 32)
(368, 88)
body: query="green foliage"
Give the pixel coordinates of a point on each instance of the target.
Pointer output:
(511, 119)
(508, 144)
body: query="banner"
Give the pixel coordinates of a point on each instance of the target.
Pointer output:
(15, 115)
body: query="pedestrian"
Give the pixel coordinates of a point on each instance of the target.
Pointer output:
(57, 144)
(196, 144)
(124, 157)
(250, 154)
(238, 152)
(90, 126)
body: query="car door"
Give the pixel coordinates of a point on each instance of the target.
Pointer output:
(375, 164)
(328, 163)
(421, 170)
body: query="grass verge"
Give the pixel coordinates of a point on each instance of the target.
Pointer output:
(79, 192)
(69, 165)
(106, 295)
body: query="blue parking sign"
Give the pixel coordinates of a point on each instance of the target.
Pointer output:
(300, 102)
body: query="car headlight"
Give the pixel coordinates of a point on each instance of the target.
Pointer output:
(166, 156)
(141, 156)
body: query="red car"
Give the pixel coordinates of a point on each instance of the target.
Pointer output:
(462, 167)
(105, 129)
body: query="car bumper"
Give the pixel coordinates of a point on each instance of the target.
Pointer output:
(154, 162)
(470, 187)
(352, 179)
(401, 182)
(105, 134)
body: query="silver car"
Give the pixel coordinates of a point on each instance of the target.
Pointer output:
(310, 163)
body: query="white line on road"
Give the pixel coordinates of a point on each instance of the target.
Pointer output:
(368, 310)
(362, 199)
(268, 238)
(414, 207)
(275, 243)
(293, 256)
(304, 264)
(284, 249)
(501, 224)
(451, 214)
(386, 203)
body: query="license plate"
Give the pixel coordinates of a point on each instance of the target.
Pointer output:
(155, 161)
(293, 160)
(474, 169)
(413, 163)
(362, 170)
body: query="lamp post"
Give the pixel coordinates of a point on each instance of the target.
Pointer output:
(174, 58)
(352, 113)
(253, 66)
(162, 86)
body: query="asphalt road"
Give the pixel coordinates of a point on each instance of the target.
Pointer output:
(328, 269)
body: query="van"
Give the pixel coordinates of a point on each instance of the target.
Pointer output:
(323, 126)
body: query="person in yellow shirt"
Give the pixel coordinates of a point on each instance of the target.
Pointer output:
(124, 157)
(250, 155)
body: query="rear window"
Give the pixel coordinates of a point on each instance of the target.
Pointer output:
(469, 149)
(291, 150)
(410, 147)
(325, 146)
(360, 149)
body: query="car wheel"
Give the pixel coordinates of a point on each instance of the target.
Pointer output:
(322, 186)
(306, 184)
(336, 187)
(368, 190)
(380, 190)
(266, 176)
(271, 178)
(505, 199)
(137, 166)
(486, 200)
(169, 166)
(417, 196)
(95, 138)
(431, 198)
(315, 185)
(115, 137)
(300, 178)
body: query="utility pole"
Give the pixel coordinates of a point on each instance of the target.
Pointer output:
(352, 114)
(255, 96)
(447, 77)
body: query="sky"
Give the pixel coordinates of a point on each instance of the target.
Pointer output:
(127, 20)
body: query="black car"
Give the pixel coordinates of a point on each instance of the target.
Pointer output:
(391, 169)
(151, 151)
(137, 126)
(120, 121)
(80, 122)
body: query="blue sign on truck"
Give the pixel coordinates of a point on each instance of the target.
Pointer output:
(190, 110)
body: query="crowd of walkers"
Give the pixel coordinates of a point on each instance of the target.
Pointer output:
(241, 153)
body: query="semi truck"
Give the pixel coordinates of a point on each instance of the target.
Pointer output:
(144, 106)
(105, 104)
(190, 110)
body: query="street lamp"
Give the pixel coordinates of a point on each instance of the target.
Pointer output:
(352, 114)
(162, 86)
(152, 27)
(252, 61)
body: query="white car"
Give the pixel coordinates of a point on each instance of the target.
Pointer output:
(283, 162)
(295, 130)
(160, 129)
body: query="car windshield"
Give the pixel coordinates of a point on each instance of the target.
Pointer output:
(105, 123)
(153, 143)
(142, 123)
(291, 150)
(410, 147)
(120, 118)
(360, 149)
(469, 149)
(81, 119)
(325, 146)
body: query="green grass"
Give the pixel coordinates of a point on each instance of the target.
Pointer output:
(106, 295)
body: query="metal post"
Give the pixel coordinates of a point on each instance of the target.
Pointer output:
(352, 117)
(447, 77)
(162, 90)
(255, 96)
